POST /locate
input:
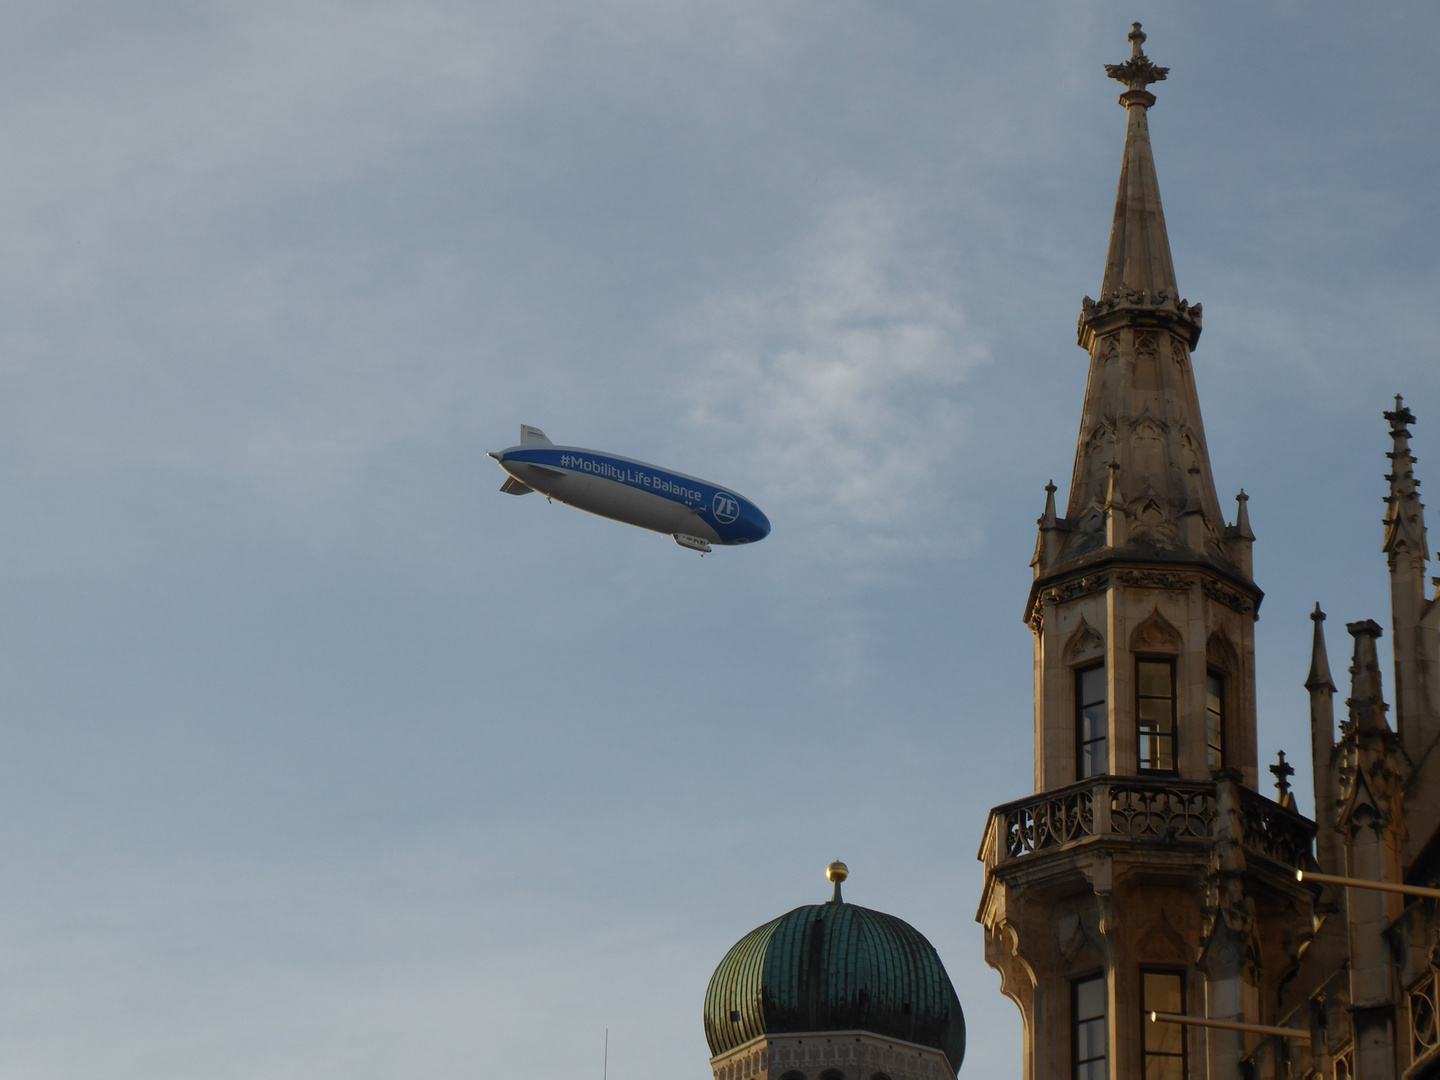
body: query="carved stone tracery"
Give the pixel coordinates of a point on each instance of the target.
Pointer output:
(1156, 634)
(1172, 580)
(1085, 644)
(1231, 598)
(1069, 590)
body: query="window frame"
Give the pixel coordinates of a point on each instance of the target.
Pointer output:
(1080, 706)
(1220, 717)
(1173, 734)
(1076, 1021)
(1146, 1007)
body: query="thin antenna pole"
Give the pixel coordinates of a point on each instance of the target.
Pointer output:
(606, 1073)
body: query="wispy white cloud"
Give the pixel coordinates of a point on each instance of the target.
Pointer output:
(843, 376)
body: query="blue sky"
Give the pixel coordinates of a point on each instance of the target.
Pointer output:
(324, 759)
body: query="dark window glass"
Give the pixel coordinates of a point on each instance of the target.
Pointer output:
(1088, 1036)
(1155, 714)
(1215, 719)
(1164, 992)
(1092, 723)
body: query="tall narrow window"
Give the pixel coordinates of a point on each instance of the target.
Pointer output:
(1087, 1024)
(1092, 723)
(1155, 714)
(1163, 992)
(1215, 719)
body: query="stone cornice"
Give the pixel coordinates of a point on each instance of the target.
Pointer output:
(1154, 569)
(1137, 307)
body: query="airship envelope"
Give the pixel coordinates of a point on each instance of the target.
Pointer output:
(695, 512)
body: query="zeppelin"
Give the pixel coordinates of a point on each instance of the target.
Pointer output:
(695, 512)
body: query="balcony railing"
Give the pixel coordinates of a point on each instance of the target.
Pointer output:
(1424, 1001)
(1140, 809)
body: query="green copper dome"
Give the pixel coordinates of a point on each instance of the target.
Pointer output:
(834, 967)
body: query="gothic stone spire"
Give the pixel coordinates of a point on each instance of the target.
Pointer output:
(1322, 745)
(1416, 644)
(1405, 514)
(1319, 677)
(1141, 409)
(1139, 256)
(1142, 564)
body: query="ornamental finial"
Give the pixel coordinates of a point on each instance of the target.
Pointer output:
(837, 872)
(1138, 72)
(1283, 770)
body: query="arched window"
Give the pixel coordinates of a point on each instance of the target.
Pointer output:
(832, 1074)
(1156, 644)
(1084, 654)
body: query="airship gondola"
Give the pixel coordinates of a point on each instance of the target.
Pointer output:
(697, 513)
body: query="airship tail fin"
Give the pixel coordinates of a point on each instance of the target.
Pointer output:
(533, 436)
(515, 487)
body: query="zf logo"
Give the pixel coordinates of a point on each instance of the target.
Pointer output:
(726, 508)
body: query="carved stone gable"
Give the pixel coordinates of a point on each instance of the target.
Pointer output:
(1160, 946)
(1155, 635)
(1221, 655)
(1149, 426)
(1150, 512)
(1191, 452)
(1085, 644)
(1102, 435)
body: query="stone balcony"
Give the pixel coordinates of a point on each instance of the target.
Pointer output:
(1139, 812)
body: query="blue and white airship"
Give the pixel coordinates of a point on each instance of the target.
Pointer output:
(695, 512)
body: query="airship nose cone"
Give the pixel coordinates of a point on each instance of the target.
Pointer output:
(758, 522)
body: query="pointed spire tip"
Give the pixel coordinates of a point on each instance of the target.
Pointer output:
(1367, 701)
(1319, 678)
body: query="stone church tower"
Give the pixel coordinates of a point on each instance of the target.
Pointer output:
(1146, 872)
